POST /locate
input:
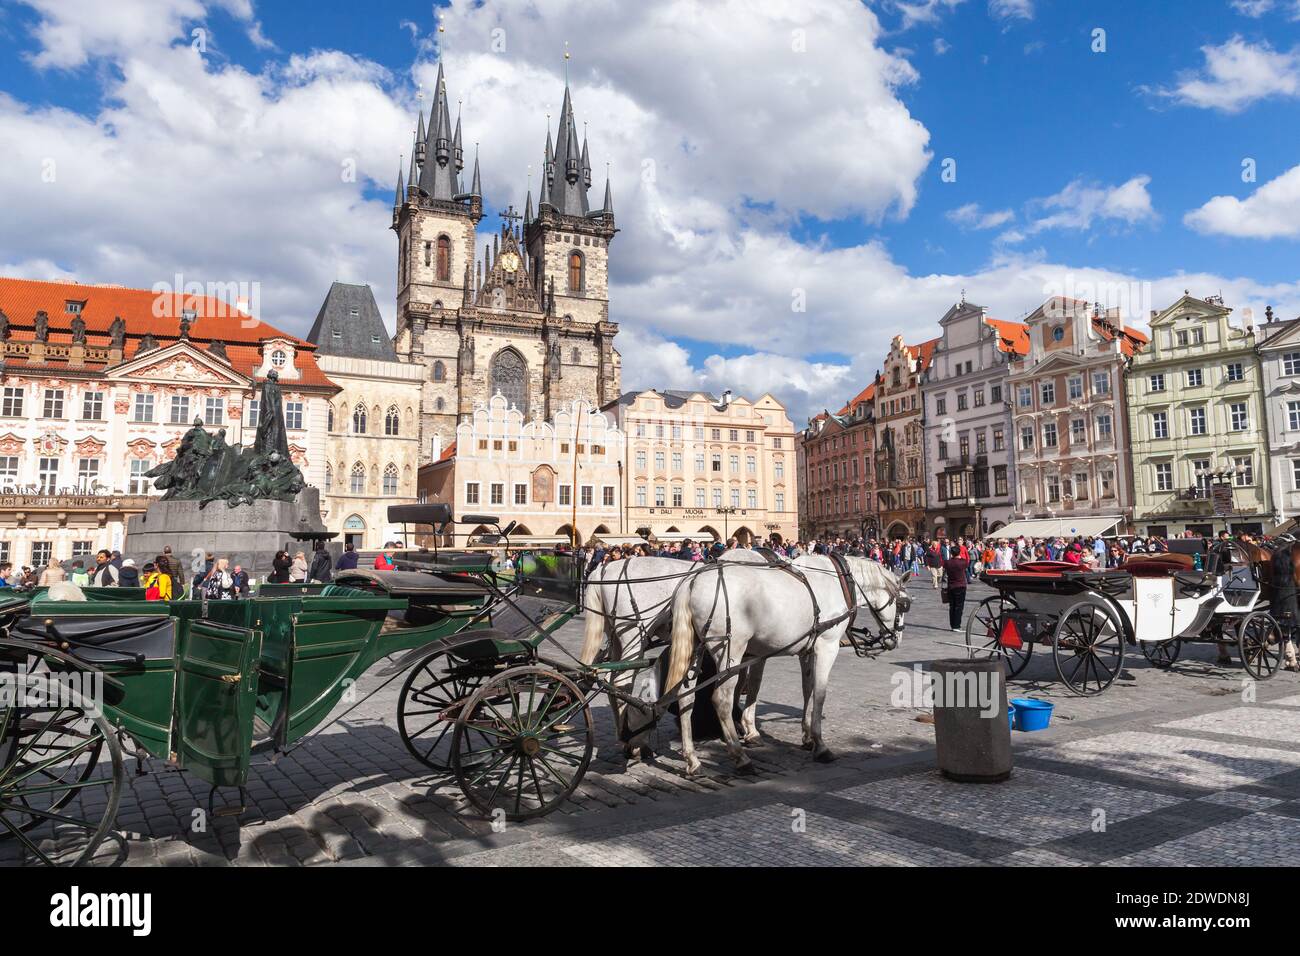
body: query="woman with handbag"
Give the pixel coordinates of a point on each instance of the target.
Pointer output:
(954, 591)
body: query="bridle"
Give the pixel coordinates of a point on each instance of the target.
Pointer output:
(861, 637)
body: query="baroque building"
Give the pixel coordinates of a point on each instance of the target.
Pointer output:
(372, 446)
(837, 451)
(1072, 451)
(708, 467)
(900, 459)
(1279, 353)
(970, 475)
(97, 385)
(1196, 413)
(529, 319)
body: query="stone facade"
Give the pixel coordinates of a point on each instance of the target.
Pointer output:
(1071, 436)
(1197, 423)
(550, 477)
(838, 473)
(1279, 353)
(900, 447)
(709, 467)
(970, 471)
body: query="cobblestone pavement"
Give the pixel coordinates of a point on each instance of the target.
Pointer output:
(1185, 767)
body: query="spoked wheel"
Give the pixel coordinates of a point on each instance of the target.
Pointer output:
(522, 743)
(55, 808)
(983, 634)
(1161, 654)
(1088, 648)
(1260, 641)
(430, 702)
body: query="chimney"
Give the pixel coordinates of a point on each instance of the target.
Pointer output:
(726, 398)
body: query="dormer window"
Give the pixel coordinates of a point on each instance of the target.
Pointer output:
(279, 359)
(354, 312)
(73, 308)
(337, 334)
(1058, 333)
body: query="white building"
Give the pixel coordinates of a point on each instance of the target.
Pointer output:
(1279, 352)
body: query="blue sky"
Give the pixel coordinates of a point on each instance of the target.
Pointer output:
(761, 154)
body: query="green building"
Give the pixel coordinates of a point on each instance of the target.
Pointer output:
(1196, 417)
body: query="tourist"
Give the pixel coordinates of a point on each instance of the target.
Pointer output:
(157, 582)
(348, 559)
(320, 566)
(239, 581)
(52, 574)
(280, 565)
(5, 571)
(105, 574)
(79, 576)
(934, 562)
(201, 576)
(1003, 556)
(384, 559)
(128, 576)
(219, 583)
(298, 571)
(954, 571)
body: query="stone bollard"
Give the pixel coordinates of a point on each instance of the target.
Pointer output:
(972, 739)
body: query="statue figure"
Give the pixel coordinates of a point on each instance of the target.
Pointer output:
(117, 332)
(557, 371)
(78, 330)
(218, 349)
(147, 344)
(180, 476)
(185, 326)
(42, 327)
(4, 326)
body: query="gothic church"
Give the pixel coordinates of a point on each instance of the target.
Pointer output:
(530, 319)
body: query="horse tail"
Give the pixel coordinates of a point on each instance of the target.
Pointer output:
(594, 635)
(683, 639)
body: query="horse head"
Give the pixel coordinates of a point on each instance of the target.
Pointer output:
(882, 590)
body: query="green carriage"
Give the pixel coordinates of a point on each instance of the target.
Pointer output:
(206, 685)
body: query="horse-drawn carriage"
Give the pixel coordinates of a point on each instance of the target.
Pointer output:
(1194, 592)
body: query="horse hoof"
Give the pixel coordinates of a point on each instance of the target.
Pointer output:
(807, 745)
(753, 741)
(826, 756)
(746, 770)
(693, 769)
(648, 755)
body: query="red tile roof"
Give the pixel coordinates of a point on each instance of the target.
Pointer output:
(924, 351)
(146, 313)
(866, 395)
(1133, 339)
(448, 453)
(1013, 337)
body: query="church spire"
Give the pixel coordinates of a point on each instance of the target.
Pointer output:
(566, 192)
(475, 188)
(528, 208)
(401, 190)
(608, 209)
(442, 148)
(456, 150)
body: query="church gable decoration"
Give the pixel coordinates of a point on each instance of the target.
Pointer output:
(180, 362)
(507, 285)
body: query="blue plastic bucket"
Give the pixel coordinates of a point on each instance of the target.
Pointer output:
(1032, 714)
(1011, 718)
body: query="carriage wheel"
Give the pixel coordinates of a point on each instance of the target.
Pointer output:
(1088, 648)
(48, 757)
(522, 743)
(1161, 654)
(429, 704)
(983, 630)
(1260, 641)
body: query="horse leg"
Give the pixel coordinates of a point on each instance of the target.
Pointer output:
(753, 679)
(824, 653)
(805, 672)
(685, 704)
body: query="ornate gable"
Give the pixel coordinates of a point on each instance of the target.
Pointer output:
(181, 362)
(507, 284)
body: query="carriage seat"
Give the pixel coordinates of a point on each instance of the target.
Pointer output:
(106, 639)
(1157, 565)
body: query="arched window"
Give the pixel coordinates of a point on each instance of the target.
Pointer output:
(359, 419)
(390, 481)
(439, 404)
(329, 478)
(392, 421)
(358, 485)
(575, 356)
(439, 372)
(510, 378)
(444, 259)
(428, 253)
(576, 268)
(329, 419)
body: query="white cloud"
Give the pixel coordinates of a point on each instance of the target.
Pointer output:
(1012, 9)
(924, 11)
(941, 46)
(1252, 8)
(970, 216)
(1080, 204)
(1236, 74)
(1272, 211)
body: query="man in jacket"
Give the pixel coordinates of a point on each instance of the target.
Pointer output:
(104, 575)
(239, 581)
(129, 575)
(348, 559)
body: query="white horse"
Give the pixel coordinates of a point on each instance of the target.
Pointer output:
(629, 604)
(761, 612)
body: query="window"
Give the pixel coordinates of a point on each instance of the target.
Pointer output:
(53, 404)
(778, 469)
(751, 465)
(1291, 363)
(941, 405)
(444, 259)
(733, 461)
(1293, 415)
(293, 415)
(1195, 379)
(717, 497)
(509, 376)
(72, 308)
(1047, 393)
(392, 420)
(979, 398)
(48, 475)
(566, 495)
(1164, 476)
(735, 497)
(357, 484)
(329, 478)
(607, 496)
(8, 471)
(749, 436)
(179, 411)
(961, 401)
(1053, 488)
(640, 461)
(359, 419)
(699, 463)
(254, 412)
(999, 442)
(575, 271)
(1295, 474)
(699, 497)
(212, 410)
(585, 496)
(1245, 467)
(1108, 484)
(1074, 386)
(640, 496)
(1024, 396)
(715, 434)
(1157, 382)
(521, 493)
(87, 473)
(1049, 435)
(1081, 485)
(142, 411)
(138, 484)
(1078, 431)
(1160, 425)
(1196, 421)
(42, 551)
(278, 358)
(81, 549)
(1101, 383)
(1236, 372)
(751, 498)
(439, 372)
(778, 501)
(1103, 427)
(677, 462)
(1238, 419)
(717, 463)
(12, 404)
(496, 493)
(995, 393)
(390, 481)
(677, 497)
(1027, 438)
(1000, 480)
(776, 443)
(660, 462)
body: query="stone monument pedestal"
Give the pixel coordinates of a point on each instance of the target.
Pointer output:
(248, 534)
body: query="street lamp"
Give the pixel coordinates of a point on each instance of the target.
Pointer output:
(725, 512)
